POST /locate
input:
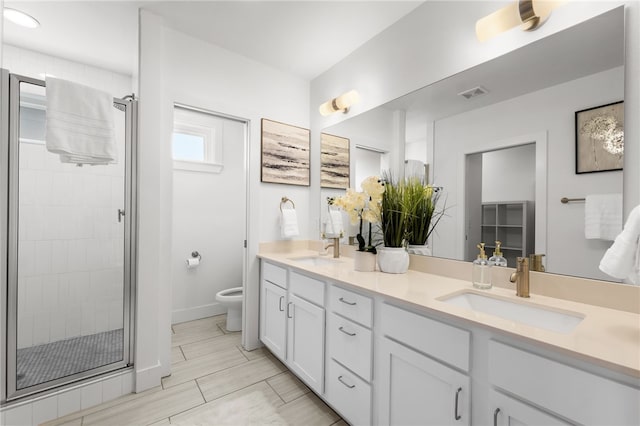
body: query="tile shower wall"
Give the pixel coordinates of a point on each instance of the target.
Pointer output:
(70, 244)
(70, 248)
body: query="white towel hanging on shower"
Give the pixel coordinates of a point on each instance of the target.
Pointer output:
(80, 123)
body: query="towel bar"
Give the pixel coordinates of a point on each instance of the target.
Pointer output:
(565, 200)
(286, 200)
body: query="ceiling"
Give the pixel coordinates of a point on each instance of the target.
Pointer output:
(303, 38)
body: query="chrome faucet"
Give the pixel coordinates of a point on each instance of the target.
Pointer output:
(336, 246)
(521, 277)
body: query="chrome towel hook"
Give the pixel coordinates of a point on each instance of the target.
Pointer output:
(195, 254)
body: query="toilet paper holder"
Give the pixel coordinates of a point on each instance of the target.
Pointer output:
(195, 254)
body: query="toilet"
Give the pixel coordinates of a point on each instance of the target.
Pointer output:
(232, 299)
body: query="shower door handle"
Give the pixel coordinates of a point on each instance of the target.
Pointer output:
(120, 214)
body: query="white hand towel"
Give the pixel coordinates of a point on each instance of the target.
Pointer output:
(80, 123)
(602, 216)
(622, 260)
(289, 223)
(334, 224)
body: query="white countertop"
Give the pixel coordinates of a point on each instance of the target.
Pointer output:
(607, 337)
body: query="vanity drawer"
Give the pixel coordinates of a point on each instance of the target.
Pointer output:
(444, 342)
(348, 394)
(350, 344)
(307, 288)
(575, 394)
(274, 274)
(351, 305)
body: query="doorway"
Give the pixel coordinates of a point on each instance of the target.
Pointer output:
(496, 183)
(209, 209)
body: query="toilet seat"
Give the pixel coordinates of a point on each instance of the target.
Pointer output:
(230, 295)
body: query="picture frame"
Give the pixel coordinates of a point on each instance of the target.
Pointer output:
(285, 155)
(599, 133)
(335, 163)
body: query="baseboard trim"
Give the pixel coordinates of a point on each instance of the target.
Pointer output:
(197, 312)
(148, 378)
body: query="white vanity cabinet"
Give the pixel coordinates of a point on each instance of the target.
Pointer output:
(349, 354)
(292, 321)
(561, 390)
(422, 367)
(507, 411)
(380, 361)
(273, 303)
(306, 329)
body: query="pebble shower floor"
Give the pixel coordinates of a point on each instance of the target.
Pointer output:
(43, 363)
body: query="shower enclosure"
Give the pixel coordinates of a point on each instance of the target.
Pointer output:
(67, 244)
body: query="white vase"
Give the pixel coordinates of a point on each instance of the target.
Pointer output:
(421, 249)
(393, 260)
(364, 261)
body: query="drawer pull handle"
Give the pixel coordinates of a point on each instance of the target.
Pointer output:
(345, 383)
(495, 417)
(346, 332)
(288, 313)
(455, 411)
(347, 302)
(280, 304)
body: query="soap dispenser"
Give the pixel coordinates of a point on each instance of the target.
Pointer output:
(481, 274)
(497, 259)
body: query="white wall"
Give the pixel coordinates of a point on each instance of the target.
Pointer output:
(438, 40)
(552, 111)
(153, 298)
(175, 67)
(509, 174)
(208, 217)
(35, 64)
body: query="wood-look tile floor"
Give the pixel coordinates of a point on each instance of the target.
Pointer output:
(214, 382)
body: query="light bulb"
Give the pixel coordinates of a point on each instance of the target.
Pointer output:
(341, 103)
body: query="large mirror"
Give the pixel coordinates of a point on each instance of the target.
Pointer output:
(504, 154)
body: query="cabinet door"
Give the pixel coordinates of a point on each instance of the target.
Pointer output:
(506, 411)
(416, 390)
(273, 319)
(305, 341)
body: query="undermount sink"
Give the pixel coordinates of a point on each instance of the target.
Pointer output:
(524, 313)
(315, 260)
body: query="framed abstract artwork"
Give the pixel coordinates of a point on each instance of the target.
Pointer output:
(285, 153)
(334, 161)
(600, 138)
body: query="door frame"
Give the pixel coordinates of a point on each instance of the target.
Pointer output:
(540, 139)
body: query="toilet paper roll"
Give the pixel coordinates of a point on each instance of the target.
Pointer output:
(193, 263)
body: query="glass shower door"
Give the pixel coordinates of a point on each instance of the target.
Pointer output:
(69, 285)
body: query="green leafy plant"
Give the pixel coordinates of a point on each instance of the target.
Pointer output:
(394, 213)
(422, 216)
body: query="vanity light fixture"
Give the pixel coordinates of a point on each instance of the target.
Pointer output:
(20, 18)
(529, 14)
(341, 103)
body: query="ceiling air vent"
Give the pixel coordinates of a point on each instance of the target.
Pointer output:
(472, 93)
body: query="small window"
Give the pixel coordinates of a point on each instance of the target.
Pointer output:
(188, 147)
(197, 140)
